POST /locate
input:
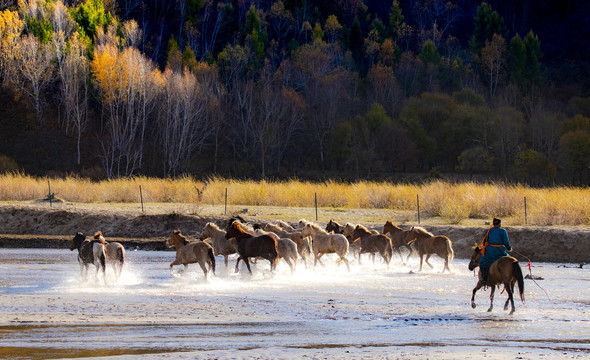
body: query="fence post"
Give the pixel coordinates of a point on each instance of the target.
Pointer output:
(141, 197)
(418, 205)
(316, 206)
(525, 215)
(225, 212)
(49, 196)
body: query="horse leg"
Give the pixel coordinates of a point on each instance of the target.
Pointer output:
(510, 292)
(400, 255)
(225, 257)
(346, 262)
(477, 287)
(421, 255)
(428, 257)
(238, 262)
(204, 268)
(247, 261)
(493, 290)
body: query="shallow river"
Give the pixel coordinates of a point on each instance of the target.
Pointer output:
(49, 311)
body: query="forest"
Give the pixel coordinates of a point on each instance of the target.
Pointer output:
(334, 89)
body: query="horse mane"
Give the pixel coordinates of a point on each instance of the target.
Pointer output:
(213, 225)
(98, 236)
(316, 227)
(390, 223)
(361, 227)
(422, 231)
(240, 227)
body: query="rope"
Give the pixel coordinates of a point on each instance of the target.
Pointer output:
(531, 274)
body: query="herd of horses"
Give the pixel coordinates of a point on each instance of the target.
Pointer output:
(304, 240)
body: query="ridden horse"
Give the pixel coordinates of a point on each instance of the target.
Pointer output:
(190, 252)
(249, 246)
(398, 238)
(428, 244)
(115, 253)
(303, 244)
(325, 243)
(505, 270)
(89, 252)
(334, 227)
(372, 243)
(221, 245)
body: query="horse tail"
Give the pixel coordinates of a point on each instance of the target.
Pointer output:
(212, 258)
(121, 255)
(450, 250)
(517, 273)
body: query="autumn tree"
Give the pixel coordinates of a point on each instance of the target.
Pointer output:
(127, 83)
(11, 27)
(493, 61)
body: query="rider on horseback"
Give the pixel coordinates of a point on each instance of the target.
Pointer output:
(493, 247)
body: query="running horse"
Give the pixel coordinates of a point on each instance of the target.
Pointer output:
(428, 244)
(398, 238)
(504, 271)
(326, 243)
(89, 252)
(249, 246)
(115, 253)
(190, 252)
(373, 243)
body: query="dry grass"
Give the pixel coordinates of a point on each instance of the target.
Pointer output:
(442, 201)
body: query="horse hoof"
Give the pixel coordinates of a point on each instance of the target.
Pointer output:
(473, 305)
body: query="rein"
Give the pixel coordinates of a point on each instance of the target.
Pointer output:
(531, 274)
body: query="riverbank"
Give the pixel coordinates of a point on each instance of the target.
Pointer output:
(36, 226)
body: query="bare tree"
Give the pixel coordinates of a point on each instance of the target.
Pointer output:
(34, 68)
(183, 123)
(75, 80)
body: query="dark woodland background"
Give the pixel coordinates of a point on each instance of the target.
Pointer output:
(341, 89)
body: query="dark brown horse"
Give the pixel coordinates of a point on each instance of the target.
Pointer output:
(89, 252)
(398, 238)
(249, 246)
(504, 271)
(373, 243)
(334, 227)
(428, 244)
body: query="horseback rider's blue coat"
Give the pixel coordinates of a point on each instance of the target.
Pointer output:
(498, 243)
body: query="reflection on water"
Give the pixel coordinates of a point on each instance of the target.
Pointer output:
(49, 311)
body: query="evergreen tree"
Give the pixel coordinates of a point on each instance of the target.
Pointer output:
(487, 22)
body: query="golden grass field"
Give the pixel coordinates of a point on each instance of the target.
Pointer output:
(452, 203)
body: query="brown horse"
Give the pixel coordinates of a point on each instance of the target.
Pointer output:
(221, 245)
(372, 243)
(506, 271)
(428, 244)
(334, 227)
(191, 252)
(249, 246)
(115, 254)
(89, 252)
(325, 243)
(398, 238)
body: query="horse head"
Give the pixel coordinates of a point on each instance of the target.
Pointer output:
(176, 239)
(77, 240)
(474, 262)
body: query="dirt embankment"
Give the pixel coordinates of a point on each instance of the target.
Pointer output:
(34, 227)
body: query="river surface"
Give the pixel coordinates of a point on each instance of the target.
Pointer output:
(49, 311)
